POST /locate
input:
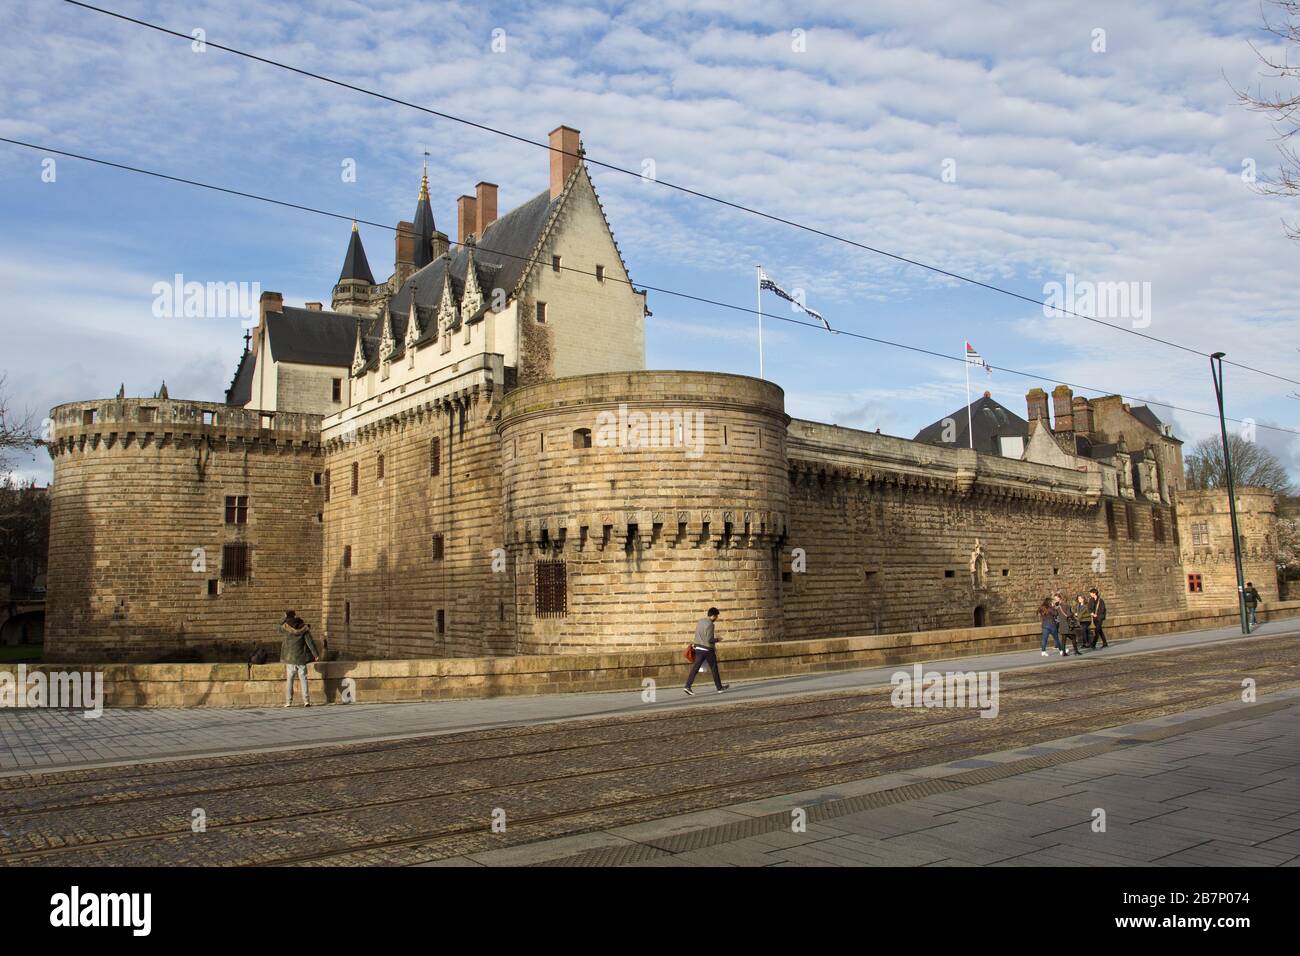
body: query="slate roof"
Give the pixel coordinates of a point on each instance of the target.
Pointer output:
(355, 265)
(991, 419)
(312, 338)
(240, 392)
(1147, 417)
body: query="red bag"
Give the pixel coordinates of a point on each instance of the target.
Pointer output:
(690, 653)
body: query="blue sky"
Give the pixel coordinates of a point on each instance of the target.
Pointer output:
(1115, 165)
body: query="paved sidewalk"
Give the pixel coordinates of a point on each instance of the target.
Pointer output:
(48, 739)
(1213, 787)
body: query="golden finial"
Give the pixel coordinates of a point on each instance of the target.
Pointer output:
(354, 225)
(424, 179)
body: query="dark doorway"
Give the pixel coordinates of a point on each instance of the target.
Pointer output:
(981, 616)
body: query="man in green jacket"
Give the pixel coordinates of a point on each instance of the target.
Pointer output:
(297, 650)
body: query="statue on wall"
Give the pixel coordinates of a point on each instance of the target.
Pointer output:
(979, 565)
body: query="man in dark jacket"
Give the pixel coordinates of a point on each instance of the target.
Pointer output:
(706, 651)
(297, 650)
(1097, 611)
(1252, 604)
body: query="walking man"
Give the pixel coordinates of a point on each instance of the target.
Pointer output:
(1252, 604)
(297, 650)
(706, 651)
(1097, 611)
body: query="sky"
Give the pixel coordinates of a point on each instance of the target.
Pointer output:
(1019, 144)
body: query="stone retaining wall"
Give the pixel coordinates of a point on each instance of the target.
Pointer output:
(244, 685)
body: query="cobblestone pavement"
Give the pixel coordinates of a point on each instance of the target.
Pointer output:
(39, 739)
(435, 798)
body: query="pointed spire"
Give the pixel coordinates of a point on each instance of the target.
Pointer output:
(387, 341)
(121, 391)
(355, 265)
(359, 352)
(471, 302)
(423, 223)
(162, 392)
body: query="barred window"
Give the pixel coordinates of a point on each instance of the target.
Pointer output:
(550, 589)
(234, 562)
(356, 477)
(236, 509)
(379, 468)
(435, 456)
(325, 480)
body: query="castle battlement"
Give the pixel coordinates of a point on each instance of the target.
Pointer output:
(144, 422)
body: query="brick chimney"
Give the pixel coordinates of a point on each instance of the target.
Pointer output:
(565, 143)
(486, 206)
(1083, 417)
(270, 302)
(466, 217)
(1036, 401)
(313, 306)
(1063, 408)
(404, 257)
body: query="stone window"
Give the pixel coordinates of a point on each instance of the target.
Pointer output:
(234, 562)
(1110, 521)
(950, 573)
(337, 390)
(555, 263)
(550, 597)
(981, 616)
(236, 509)
(1194, 584)
(435, 457)
(600, 273)
(213, 587)
(356, 477)
(1200, 534)
(379, 468)
(582, 438)
(268, 421)
(347, 612)
(209, 418)
(1130, 522)
(437, 547)
(325, 482)
(90, 416)
(147, 414)
(347, 556)
(541, 312)
(442, 621)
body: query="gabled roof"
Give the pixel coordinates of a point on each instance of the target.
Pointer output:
(1147, 417)
(991, 421)
(355, 265)
(310, 337)
(240, 392)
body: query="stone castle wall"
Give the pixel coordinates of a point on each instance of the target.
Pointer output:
(1209, 553)
(138, 526)
(888, 528)
(388, 604)
(679, 503)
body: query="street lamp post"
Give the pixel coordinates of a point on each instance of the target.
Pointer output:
(1216, 370)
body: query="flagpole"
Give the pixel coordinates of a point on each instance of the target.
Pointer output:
(758, 291)
(970, 427)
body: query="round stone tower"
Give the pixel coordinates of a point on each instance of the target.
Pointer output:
(634, 501)
(179, 529)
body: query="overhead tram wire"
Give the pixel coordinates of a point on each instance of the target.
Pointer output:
(1034, 376)
(740, 207)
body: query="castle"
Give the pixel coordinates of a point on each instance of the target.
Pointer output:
(470, 458)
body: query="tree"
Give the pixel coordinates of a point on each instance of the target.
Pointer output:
(1253, 466)
(1281, 104)
(17, 432)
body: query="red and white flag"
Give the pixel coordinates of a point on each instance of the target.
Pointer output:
(974, 358)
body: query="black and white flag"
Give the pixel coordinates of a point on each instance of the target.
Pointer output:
(767, 282)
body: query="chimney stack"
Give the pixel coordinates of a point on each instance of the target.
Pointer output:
(466, 217)
(1063, 408)
(1082, 417)
(486, 206)
(1036, 400)
(565, 143)
(314, 306)
(404, 258)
